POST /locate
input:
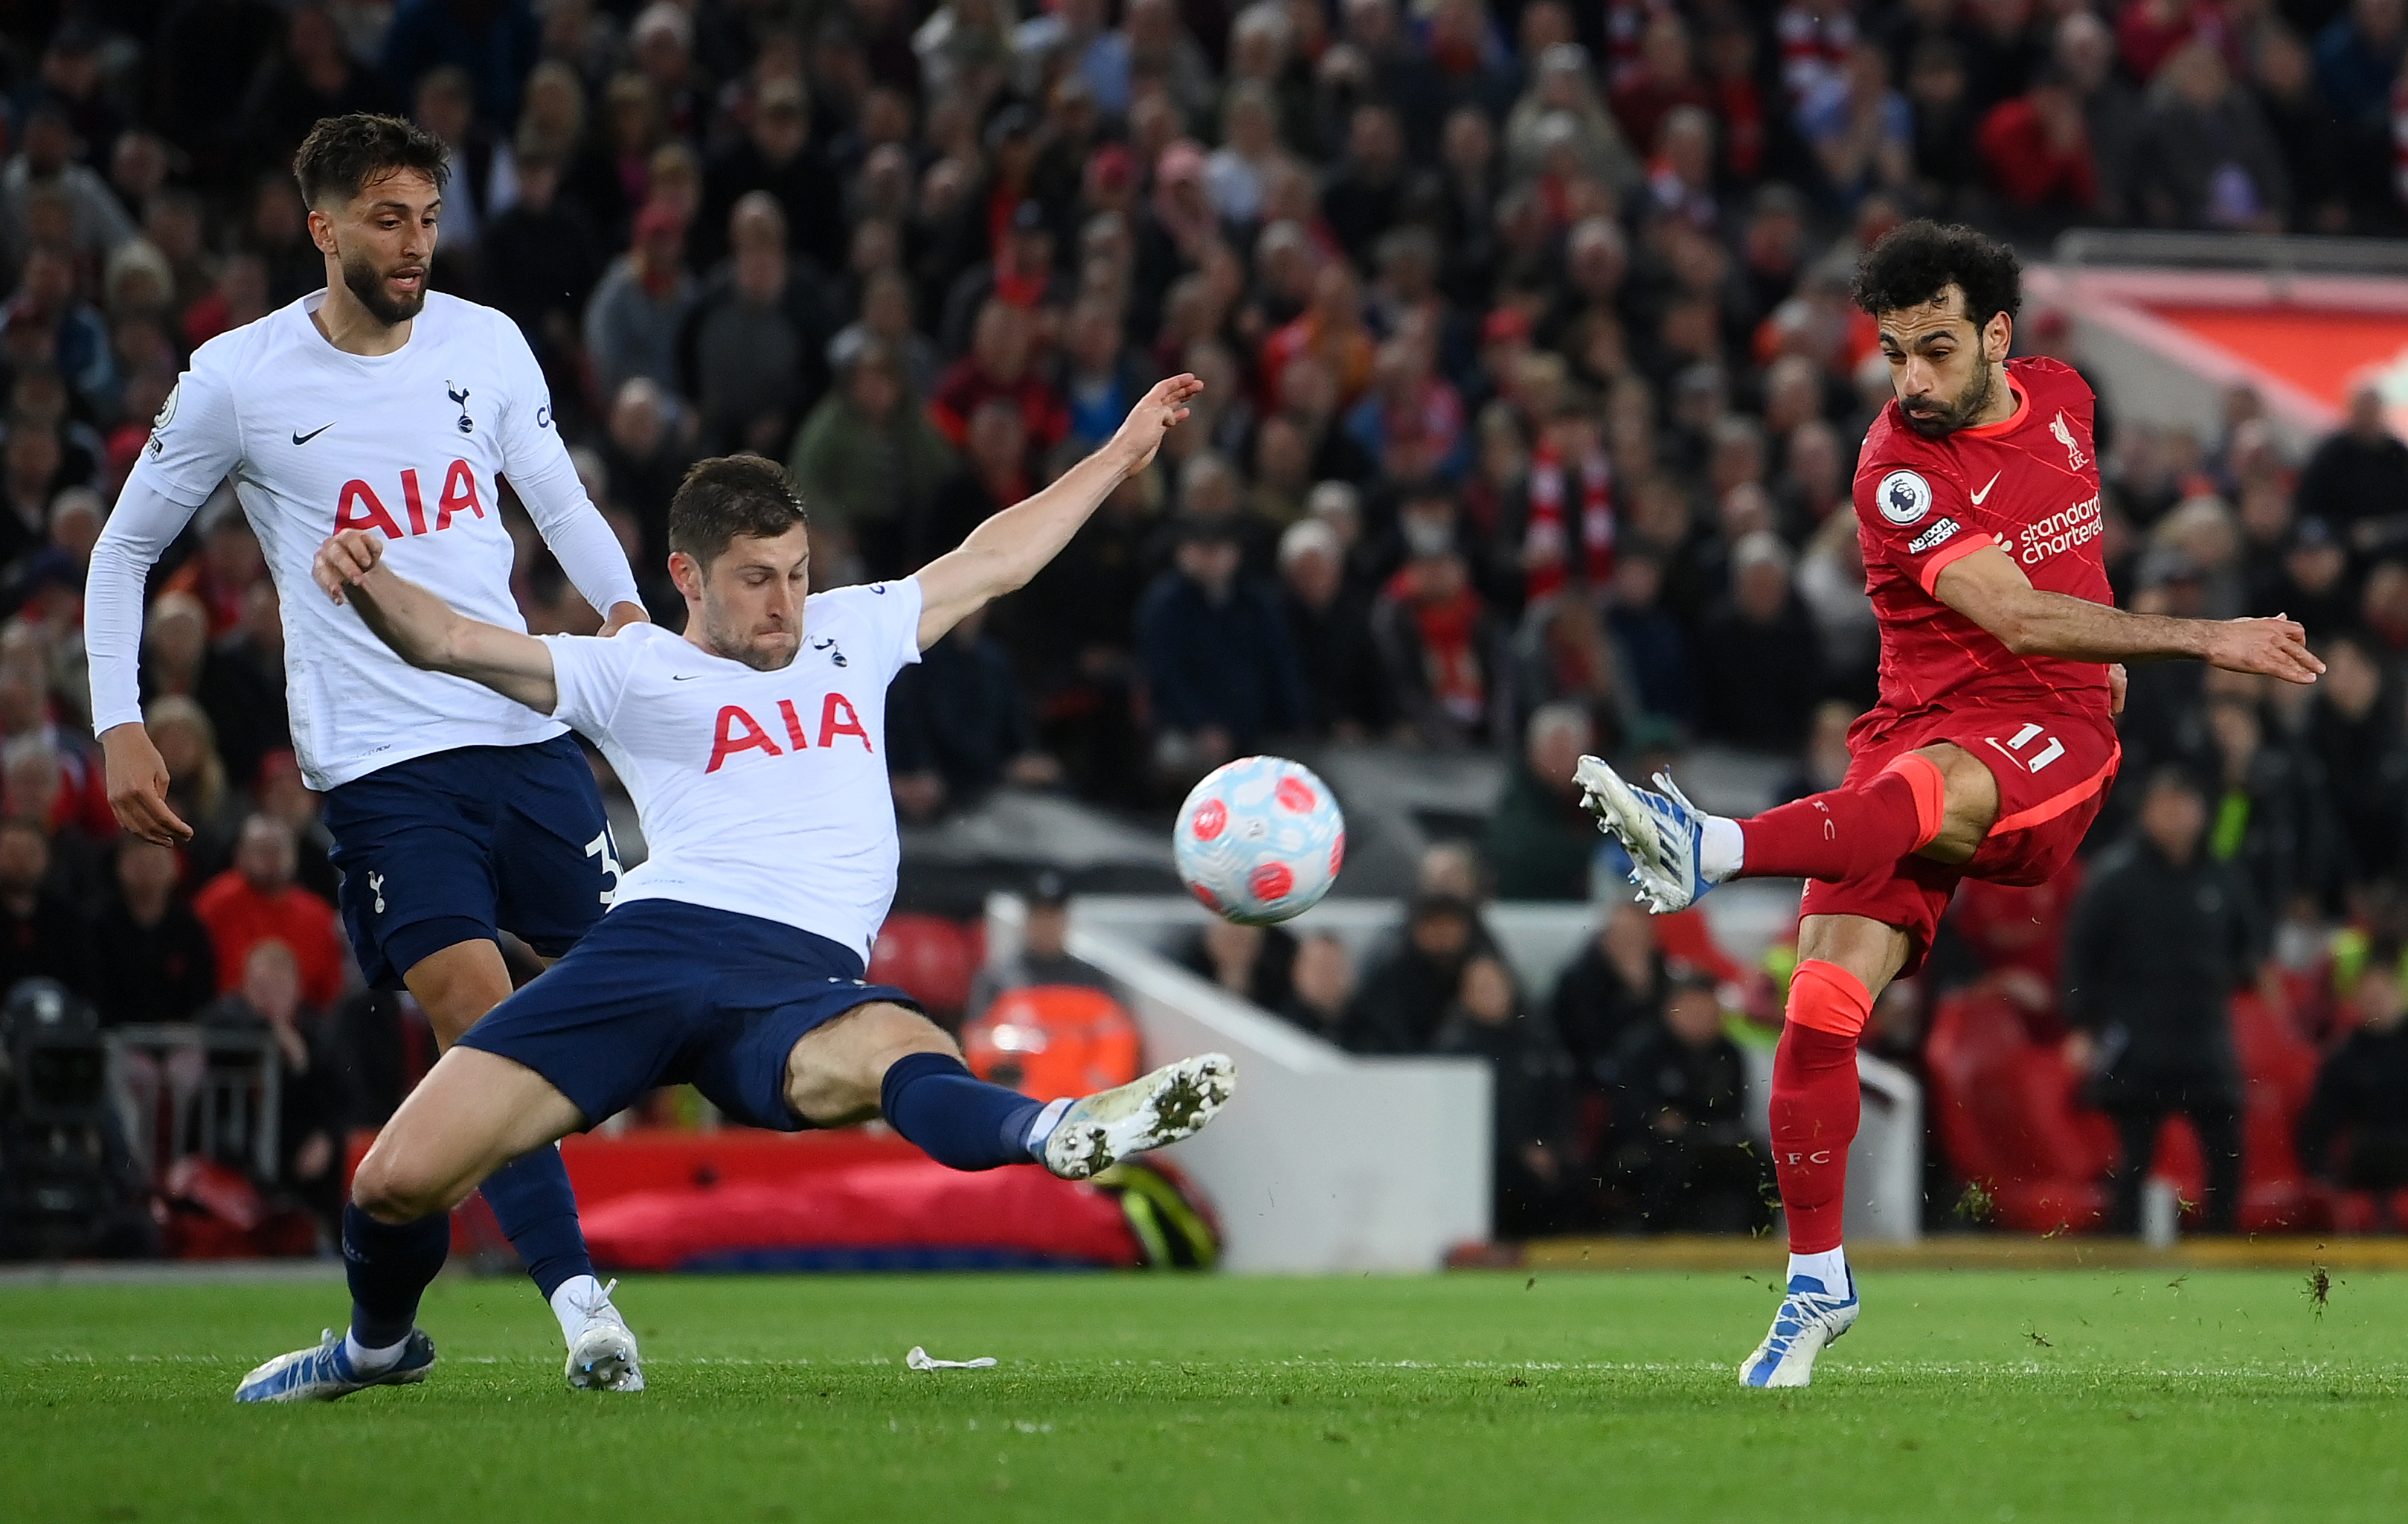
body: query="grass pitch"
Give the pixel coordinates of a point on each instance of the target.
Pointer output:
(1969, 1396)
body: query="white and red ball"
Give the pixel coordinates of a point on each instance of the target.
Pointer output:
(1259, 840)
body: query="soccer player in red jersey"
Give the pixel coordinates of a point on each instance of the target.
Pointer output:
(1992, 744)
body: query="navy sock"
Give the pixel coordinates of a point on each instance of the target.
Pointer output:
(538, 1214)
(956, 1118)
(388, 1266)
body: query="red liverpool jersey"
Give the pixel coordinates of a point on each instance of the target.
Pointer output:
(2029, 484)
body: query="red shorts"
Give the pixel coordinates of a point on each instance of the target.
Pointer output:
(2053, 770)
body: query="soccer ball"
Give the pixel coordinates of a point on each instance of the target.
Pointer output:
(1259, 840)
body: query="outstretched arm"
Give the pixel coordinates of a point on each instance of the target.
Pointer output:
(427, 632)
(1989, 589)
(1007, 549)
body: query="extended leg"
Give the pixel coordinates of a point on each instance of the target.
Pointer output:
(532, 1199)
(1842, 961)
(882, 1058)
(474, 1112)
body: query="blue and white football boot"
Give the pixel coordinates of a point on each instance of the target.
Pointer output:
(1810, 1318)
(1661, 832)
(324, 1374)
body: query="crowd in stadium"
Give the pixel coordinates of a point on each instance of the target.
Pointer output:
(1533, 395)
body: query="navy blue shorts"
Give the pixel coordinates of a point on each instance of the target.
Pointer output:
(464, 844)
(666, 993)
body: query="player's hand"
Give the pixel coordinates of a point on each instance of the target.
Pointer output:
(345, 559)
(2117, 683)
(1157, 414)
(623, 614)
(2275, 647)
(137, 787)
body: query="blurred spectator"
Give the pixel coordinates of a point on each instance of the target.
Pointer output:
(1331, 623)
(753, 351)
(1653, 648)
(956, 726)
(45, 165)
(1442, 647)
(1044, 957)
(1681, 1117)
(632, 323)
(2354, 1133)
(2036, 151)
(1540, 838)
(2163, 935)
(2357, 478)
(284, 798)
(2358, 61)
(1758, 656)
(999, 365)
(41, 936)
(2356, 733)
(776, 157)
(1608, 992)
(197, 789)
(2271, 821)
(543, 257)
(2204, 158)
(1407, 987)
(868, 460)
(2308, 581)
(1213, 646)
(1534, 1099)
(312, 1099)
(1256, 963)
(256, 900)
(494, 42)
(312, 75)
(241, 683)
(1321, 988)
(1862, 131)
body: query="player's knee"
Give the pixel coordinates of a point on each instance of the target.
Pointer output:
(391, 1191)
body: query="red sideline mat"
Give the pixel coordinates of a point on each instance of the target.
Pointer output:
(901, 1214)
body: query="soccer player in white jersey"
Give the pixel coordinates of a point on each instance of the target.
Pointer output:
(375, 407)
(733, 958)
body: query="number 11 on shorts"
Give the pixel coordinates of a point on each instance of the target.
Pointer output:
(2016, 747)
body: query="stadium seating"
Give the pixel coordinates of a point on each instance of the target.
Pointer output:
(2008, 1117)
(2004, 1108)
(932, 959)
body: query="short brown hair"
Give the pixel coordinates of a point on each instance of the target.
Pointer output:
(343, 155)
(729, 495)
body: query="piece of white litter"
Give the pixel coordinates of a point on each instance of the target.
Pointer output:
(920, 1360)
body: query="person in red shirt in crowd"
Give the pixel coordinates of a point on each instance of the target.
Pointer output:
(998, 365)
(2036, 148)
(256, 900)
(1332, 330)
(1666, 76)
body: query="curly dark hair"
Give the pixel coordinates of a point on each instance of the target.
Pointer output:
(1915, 262)
(343, 155)
(728, 496)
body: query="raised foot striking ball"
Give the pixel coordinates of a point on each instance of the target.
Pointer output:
(1259, 840)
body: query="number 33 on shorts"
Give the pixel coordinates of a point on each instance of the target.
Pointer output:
(603, 848)
(2018, 748)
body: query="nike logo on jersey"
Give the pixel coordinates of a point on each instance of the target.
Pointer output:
(683, 677)
(1986, 486)
(299, 438)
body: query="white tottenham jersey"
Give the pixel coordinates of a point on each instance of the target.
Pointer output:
(761, 793)
(412, 445)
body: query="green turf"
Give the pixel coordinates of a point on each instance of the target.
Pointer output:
(2100, 1394)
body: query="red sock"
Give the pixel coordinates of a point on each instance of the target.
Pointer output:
(1815, 1101)
(1848, 832)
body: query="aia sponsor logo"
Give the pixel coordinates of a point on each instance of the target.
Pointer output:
(737, 731)
(360, 506)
